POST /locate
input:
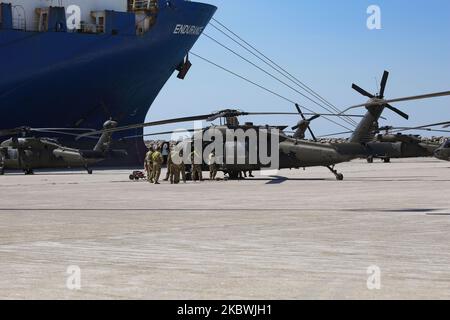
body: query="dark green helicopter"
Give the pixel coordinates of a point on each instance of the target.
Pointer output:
(392, 143)
(294, 151)
(389, 142)
(406, 145)
(29, 153)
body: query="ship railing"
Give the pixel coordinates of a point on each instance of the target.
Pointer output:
(139, 5)
(29, 26)
(20, 24)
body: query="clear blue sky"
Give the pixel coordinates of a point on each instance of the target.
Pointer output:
(327, 45)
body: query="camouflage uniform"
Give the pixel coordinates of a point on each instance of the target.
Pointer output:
(149, 166)
(157, 160)
(212, 166)
(196, 168)
(169, 167)
(173, 169)
(181, 170)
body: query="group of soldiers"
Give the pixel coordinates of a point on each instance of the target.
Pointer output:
(176, 172)
(153, 163)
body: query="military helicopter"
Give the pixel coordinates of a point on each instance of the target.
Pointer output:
(289, 147)
(391, 143)
(29, 153)
(294, 152)
(440, 151)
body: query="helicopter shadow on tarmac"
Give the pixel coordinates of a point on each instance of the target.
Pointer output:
(280, 179)
(271, 180)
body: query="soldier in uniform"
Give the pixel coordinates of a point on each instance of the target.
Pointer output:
(148, 165)
(169, 166)
(173, 169)
(181, 169)
(157, 160)
(212, 166)
(196, 166)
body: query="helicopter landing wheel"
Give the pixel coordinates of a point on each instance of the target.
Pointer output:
(89, 170)
(370, 160)
(28, 172)
(387, 160)
(339, 176)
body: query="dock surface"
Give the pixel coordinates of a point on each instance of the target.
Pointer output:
(305, 237)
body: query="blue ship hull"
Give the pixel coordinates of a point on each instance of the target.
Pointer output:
(63, 79)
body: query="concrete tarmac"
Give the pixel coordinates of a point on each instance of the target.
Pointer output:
(309, 237)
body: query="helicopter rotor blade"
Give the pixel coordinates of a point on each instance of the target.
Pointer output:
(297, 106)
(335, 134)
(420, 97)
(14, 131)
(216, 116)
(63, 133)
(427, 127)
(146, 125)
(314, 117)
(207, 117)
(422, 129)
(305, 113)
(159, 134)
(383, 83)
(382, 102)
(436, 124)
(362, 91)
(24, 130)
(63, 129)
(397, 111)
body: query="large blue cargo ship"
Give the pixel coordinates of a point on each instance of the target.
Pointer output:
(85, 61)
